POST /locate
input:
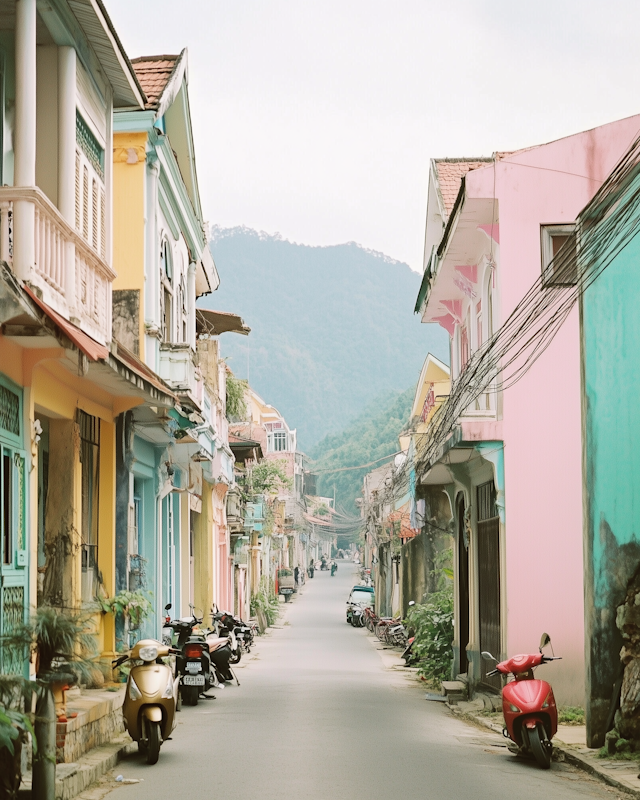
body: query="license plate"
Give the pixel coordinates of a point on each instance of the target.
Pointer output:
(193, 680)
(194, 666)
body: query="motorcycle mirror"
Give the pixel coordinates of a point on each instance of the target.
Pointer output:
(486, 654)
(412, 602)
(545, 639)
(167, 607)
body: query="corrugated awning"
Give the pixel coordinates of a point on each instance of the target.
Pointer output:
(216, 322)
(92, 349)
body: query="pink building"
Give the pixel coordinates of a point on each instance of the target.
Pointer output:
(512, 466)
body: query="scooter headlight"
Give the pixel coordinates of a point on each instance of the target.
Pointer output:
(148, 653)
(134, 692)
(515, 709)
(168, 689)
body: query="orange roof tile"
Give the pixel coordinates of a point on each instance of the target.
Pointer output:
(450, 174)
(153, 73)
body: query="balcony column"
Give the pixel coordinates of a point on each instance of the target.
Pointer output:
(25, 137)
(191, 298)
(66, 165)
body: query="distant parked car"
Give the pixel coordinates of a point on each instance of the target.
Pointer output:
(360, 595)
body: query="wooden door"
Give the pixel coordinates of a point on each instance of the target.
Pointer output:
(489, 579)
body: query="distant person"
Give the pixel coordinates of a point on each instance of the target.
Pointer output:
(296, 575)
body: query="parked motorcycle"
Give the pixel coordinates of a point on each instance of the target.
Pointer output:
(311, 570)
(225, 624)
(528, 704)
(410, 658)
(334, 568)
(193, 663)
(357, 616)
(151, 696)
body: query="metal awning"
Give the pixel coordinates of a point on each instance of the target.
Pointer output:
(214, 323)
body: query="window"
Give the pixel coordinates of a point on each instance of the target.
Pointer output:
(464, 346)
(278, 442)
(559, 255)
(90, 461)
(90, 192)
(166, 278)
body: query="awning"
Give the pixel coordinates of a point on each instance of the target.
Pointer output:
(92, 349)
(216, 322)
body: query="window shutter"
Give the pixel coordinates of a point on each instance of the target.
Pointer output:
(95, 220)
(78, 191)
(103, 225)
(85, 203)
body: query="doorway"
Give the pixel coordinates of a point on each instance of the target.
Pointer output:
(489, 579)
(463, 586)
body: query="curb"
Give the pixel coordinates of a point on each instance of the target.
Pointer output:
(569, 755)
(72, 779)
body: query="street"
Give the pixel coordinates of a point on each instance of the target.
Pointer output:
(318, 716)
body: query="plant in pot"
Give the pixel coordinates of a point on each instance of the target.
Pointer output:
(15, 725)
(63, 647)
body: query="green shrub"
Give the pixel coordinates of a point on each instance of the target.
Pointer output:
(433, 625)
(571, 715)
(265, 600)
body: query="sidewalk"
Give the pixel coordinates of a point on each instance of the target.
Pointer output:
(569, 745)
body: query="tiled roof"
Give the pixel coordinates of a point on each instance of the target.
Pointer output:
(153, 73)
(450, 174)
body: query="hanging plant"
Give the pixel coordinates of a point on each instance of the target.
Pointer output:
(133, 606)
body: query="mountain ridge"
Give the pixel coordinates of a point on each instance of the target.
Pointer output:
(332, 326)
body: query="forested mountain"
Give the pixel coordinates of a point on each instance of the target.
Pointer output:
(332, 327)
(371, 436)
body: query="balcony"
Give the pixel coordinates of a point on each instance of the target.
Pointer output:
(68, 273)
(178, 368)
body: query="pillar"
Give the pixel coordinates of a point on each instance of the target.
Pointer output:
(66, 164)
(25, 136)
(191, 296)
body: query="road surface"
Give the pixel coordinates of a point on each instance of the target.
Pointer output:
(318, 716)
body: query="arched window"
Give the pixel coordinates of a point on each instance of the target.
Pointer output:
(166, 295)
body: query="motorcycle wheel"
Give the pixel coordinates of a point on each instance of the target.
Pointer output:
(153, 748)
(360, 622)
(190, 695)
(540, 746)
(235, 656)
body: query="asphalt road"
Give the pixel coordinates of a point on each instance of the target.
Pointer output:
(319, 716)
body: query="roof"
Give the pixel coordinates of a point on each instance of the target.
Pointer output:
(142, 370)
(154, 73)
(450, 172)
(216, 322)
(92, 349)
(103, 38)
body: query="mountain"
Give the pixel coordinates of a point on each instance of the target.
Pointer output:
(370, 437)
(332, 327)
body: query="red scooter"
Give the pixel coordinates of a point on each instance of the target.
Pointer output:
(528, 704)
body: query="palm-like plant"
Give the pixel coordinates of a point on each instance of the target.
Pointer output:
(59, 640)
(15, 724)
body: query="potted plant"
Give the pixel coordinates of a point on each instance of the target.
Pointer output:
(15, 724)
(63, 647)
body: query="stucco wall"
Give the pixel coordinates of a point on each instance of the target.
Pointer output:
(611, 342)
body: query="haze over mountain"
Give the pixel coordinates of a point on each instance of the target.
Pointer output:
(332, 327)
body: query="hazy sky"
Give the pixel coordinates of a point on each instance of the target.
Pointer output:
(317, 119)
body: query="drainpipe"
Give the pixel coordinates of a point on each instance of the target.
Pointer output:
(25, 137)
(191, 295)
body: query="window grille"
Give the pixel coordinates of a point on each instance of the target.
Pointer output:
(9, 411)
(12, 607)
(95, 215)
(89, 146)
(487, 508)
(85, 203)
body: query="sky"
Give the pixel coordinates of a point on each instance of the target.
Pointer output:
(317, 119)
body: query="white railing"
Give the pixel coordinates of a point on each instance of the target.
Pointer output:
(72, 277)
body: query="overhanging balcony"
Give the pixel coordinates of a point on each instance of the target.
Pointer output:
(68, 273)
(178, 368)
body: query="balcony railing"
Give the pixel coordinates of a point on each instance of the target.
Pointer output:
(72, 277)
